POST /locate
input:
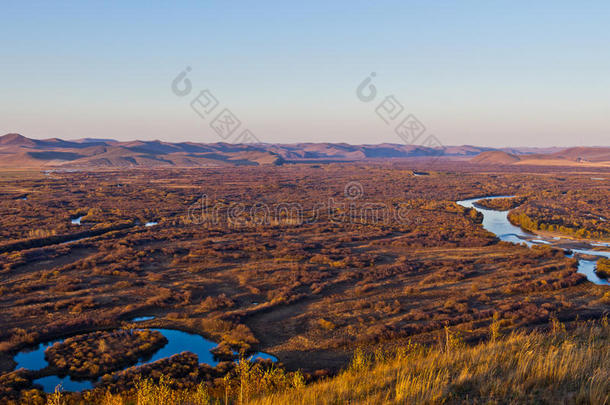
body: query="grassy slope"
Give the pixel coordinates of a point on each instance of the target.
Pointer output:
(554, 367)
(521, 368)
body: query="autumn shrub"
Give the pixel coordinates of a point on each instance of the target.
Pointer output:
(603, 268)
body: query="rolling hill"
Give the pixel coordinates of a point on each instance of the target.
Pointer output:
(496, 157)
(18, 151)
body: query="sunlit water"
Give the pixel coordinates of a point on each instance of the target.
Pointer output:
(497, 223)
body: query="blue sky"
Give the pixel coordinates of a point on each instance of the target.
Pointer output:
(473, 72)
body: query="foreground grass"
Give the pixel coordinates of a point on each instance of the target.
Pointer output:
(553, 367)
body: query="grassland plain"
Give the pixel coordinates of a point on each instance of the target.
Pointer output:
(308, 292)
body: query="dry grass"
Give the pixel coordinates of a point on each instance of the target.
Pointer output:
(559, 368)
(553, 367)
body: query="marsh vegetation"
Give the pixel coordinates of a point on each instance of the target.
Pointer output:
(307, 289)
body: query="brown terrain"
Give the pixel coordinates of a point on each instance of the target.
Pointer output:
(307, 262)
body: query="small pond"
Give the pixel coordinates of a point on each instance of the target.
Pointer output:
(142, 318)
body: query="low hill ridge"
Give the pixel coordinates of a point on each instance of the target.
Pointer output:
(496, 157)
(17, 150)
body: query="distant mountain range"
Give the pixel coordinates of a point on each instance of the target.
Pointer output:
(17, 151)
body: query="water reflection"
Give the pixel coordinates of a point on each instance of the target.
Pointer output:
(497, 223)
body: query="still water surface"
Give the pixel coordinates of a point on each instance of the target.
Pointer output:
(178, 342)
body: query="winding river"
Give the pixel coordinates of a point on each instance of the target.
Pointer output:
(497, 223)
(178, 342)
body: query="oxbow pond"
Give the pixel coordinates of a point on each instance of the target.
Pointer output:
(178, 342)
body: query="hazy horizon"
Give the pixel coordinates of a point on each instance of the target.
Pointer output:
(474, 73)
(305, 142)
